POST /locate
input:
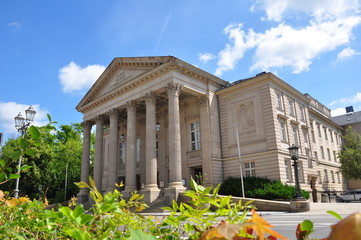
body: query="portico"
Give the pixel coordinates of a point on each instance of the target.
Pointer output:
(127, 101)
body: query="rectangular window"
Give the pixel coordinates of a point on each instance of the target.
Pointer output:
(122, 153)
(334, 156)
(279, 101)
(137, 149)
(319, 130)
(309, 159)
(319, 176)
(288, 171)
(326, 176)
(305, 136)
(322, 153)
(316, 157)
(283, 131)
(195, 136)
(331, 136)
(291, 107)
(336, 138)
(332, 176)
(328, 154)
(302, 112)
(295, 135)
(250, 169)
(338, 177)
(325, 131)
(313, 136)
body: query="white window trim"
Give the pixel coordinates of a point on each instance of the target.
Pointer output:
(196, 143)
(250, 169)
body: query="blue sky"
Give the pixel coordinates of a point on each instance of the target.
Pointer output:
(51, 52)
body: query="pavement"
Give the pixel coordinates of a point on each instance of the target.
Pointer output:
(340, 208)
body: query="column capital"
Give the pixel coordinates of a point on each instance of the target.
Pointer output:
(87, 124)
(113, 112)
(100, 119)
(174, 88)
(150, 97)
(131, 105)
(203, 100)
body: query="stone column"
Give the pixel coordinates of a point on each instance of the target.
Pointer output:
(205, 139)
(151, 190)
(175, 161)
(98, 158)
(113, 150)
(83, 195)
(130, 176)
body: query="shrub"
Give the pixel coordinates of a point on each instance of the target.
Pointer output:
(257, 187)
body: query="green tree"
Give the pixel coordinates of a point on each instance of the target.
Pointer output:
(54, 163)
(350, 155)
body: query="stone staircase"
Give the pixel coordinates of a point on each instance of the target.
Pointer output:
(157, 205)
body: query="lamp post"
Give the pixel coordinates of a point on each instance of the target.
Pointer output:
(294, 156)
(22, 124)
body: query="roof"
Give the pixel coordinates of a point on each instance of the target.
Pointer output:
(348, 118)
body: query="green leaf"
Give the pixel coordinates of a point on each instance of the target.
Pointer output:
(139, 235)
(34, 132)
(77, 211)
(335, 214)
(25, 167)
(2, 176)
(16, 154)
(66, 211)
(84, 219)
(82, 185)
(14, 176)
(307, 225)
(2, 162)
(24, 144)
(30, 152)
(194, 185)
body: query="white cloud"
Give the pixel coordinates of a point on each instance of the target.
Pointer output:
(330, 26)
(346, 101)
(9, 110)
(73, 78)
(347, 53)
(321, 10)
(15, 25)
(205, 57)
(338, 111)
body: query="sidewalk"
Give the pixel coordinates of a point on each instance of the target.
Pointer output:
(340, 208)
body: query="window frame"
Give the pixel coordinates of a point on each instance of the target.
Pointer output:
(194, 132)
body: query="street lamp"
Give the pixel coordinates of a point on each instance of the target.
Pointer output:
(22, 124)
(294, 156)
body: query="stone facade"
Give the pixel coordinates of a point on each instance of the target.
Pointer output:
(160, 121)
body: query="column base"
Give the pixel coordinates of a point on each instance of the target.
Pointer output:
(150, 194)
(83, 196)
(299, 205)
(172, 192)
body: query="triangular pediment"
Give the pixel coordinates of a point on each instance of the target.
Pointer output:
(121, 77)
(120, 71)
(123, 74)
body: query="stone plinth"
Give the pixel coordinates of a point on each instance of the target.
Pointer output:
(150, 194)
(299, 205)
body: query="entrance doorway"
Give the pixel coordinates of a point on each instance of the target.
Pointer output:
(198, 175)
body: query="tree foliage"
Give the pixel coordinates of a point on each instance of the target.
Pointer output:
(56, 157)
(350, 155)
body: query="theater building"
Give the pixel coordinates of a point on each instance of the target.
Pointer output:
(160, 121)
